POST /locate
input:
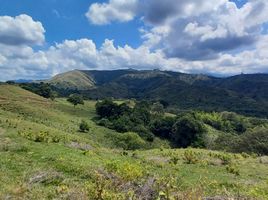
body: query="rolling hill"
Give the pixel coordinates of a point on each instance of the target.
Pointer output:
(44, 156)
(245, 94)
(73, 80)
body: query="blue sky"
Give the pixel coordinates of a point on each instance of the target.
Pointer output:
(66, 20)
(42, 38)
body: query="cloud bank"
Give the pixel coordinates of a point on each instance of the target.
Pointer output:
(205, 36)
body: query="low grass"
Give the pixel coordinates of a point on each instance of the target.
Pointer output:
(38, 162)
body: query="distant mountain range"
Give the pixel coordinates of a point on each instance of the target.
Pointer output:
(245, 93)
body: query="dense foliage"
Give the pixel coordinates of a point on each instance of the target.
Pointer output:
(223, 131)
(43, 89)
(148, 121)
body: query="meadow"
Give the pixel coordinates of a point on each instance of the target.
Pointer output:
(43, 155)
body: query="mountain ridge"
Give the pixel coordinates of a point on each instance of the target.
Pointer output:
(245, 93)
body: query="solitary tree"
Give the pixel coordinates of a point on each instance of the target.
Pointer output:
(75, 99)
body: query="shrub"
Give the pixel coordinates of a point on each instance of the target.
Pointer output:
(144, 133)
(122, 124)
(163, 127)
(42, 136)
(174, 159)
(187, 131)
(75, 99)
(130, 141)
(108, 109)
(225, 158)
(126, 170)
(105, 122)
(233, 169)
(84, 127)
(254, 141)
(190, 157)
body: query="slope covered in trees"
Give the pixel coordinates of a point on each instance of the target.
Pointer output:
(245, 94)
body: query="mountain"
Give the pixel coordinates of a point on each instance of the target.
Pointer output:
(245, 94)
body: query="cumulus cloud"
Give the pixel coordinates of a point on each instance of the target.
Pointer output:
(189, 29)
(115, 10)
(205, 36)
(21, 30)
(201, 30)
(83, 54)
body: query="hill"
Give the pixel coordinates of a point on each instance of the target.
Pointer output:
(73, 80)
(43, 155)
(245, 94)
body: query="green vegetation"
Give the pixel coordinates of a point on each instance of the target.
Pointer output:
(43, 89)
(219, 131)
(76, 99)
(243, 94)
(84, 126)
(44, 154)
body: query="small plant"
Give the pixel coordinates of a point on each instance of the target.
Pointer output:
(174, 160)
(83, 127)
(42, 136)
(233, 169)
(225, 158)
(190, 157)
(245, 155)
(126, 170)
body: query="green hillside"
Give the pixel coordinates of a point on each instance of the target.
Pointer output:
(73, 80)
(44, 156)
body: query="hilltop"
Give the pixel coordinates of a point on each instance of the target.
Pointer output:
(245, 94)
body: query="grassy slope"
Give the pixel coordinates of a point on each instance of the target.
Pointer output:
(73, 80)
(79, 172)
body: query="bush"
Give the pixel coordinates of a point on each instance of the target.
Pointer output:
(108, 109)
(233, 169)
(187, 131)
(254, 141)
(163, 127)
(126, 170)
(105, 122)
(83, 127)
(130, 141)
(144, 133)
(75, 99)
(123, 124)
(42, 136)
(190, 157)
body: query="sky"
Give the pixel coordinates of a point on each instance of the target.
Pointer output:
(39, 39)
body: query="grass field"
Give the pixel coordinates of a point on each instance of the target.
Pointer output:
(44, 156)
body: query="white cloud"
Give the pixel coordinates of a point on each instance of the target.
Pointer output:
(83, 54)
(205, 36)
(189, 29)
(115, 10)
(21, 30)
(202, 30)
